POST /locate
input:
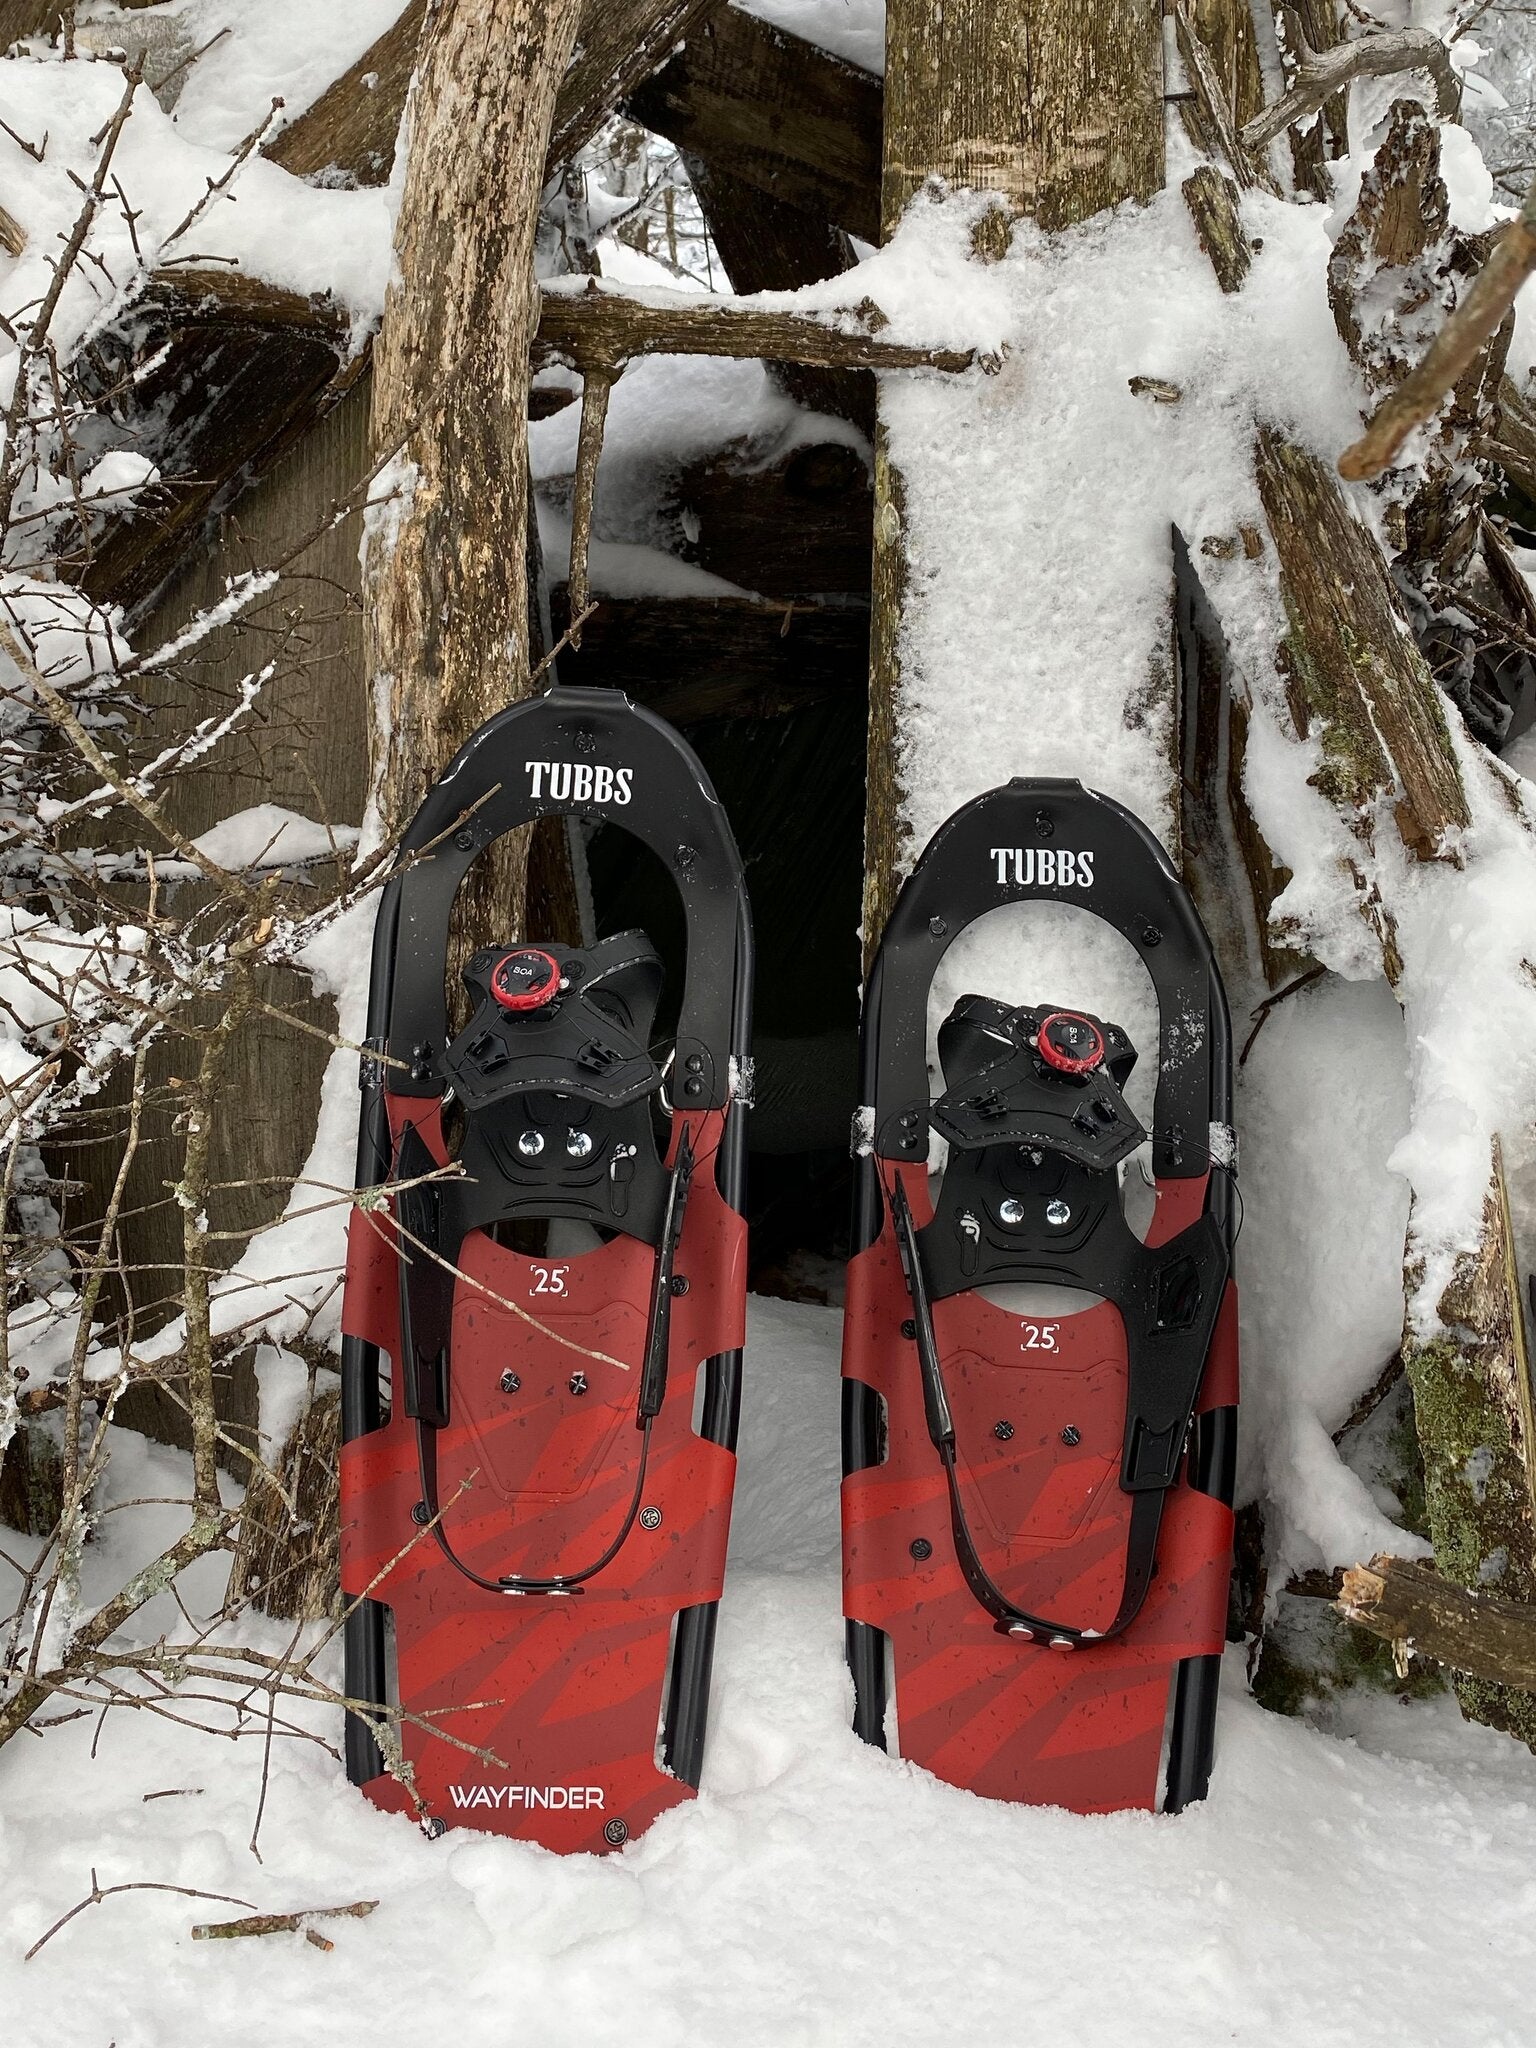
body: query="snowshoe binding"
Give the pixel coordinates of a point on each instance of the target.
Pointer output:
(543, 1326)
(1037, 1528)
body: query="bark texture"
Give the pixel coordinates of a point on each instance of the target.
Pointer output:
(1057, 105)
(447, 605)
(1352, 670)
(1410, 1606)
(1472, 1405)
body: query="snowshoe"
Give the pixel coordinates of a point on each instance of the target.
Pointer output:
(1037, 1528)
(544, 1312)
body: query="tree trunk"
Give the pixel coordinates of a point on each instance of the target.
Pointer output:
(446, 586)
(1056, 106)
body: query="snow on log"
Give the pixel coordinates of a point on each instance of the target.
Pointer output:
(352, 127)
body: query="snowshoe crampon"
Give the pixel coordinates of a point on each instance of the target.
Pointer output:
(1037, 1528)
(541, 1368)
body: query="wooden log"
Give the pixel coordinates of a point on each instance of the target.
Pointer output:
(350, 130)
(1421, 1614)
(446, 599)
(696, 658)
(778, 114)
(1056, 107)
(1473, 1409)
(1215, 125)
(1212, 199)
(597, 327)
(1352, 670)
(798, 527)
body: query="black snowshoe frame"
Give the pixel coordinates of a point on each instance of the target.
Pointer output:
(590, 1010)
(1039, 1139)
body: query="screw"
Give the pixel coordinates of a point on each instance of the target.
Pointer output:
(693, 1085)
(1002, 1431)
(1044, 828)
(421, 1514)
(1071, 1435)
(679, 1283)
(579, 1144)
(531, 1144)
(1151, 936)
(464, 841)
(921, 1549)
(435, 1828)
(1057, 1214)
(650, 1518)
(909, 1330)
(577, 1383)
(695, 1063)
(616, 1831)
(937, 926)
(1011, 1211)
(510, 1383)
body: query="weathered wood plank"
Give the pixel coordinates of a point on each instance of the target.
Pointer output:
(800, 125)
(695, 658)
(798, 527)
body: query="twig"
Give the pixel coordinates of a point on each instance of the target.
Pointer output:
(98, 1892)
(280, 1923)
(596, 389)
(1261, 1014)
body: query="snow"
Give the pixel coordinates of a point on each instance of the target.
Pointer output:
(268, 836)
(851, 29)
(817, 1892)
(284, 49)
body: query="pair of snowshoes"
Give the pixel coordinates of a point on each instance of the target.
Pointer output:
(545, 1311)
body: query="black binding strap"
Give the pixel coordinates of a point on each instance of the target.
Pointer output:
(424, 1370)
(1162, 1386)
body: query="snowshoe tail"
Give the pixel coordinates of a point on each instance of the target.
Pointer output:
(547, 1290)
(1037, 1524)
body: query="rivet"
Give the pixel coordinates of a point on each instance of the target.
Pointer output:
(1057, 1214)
(1010, 1211)
(909, 1330)
(920, 1549)
(579, 1144)
(650, 1518)
(530, 1144)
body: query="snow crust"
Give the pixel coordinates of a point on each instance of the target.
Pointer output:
(816, 1893)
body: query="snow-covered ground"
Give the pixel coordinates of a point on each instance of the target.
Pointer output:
(1373, 1884)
